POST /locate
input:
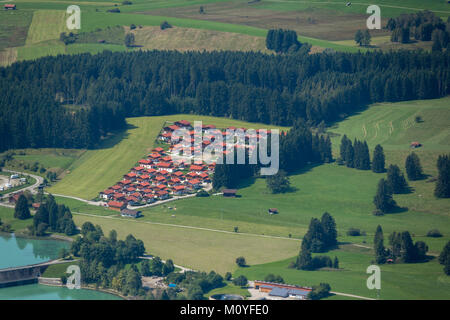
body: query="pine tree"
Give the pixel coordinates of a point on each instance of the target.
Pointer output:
(350, 155)
(359, 37)
(396, 180)
(336, 263)
(314, 239)
(407, 253)
(444, 258)
(413, 167)
(304, 260)
(378, 159)
(383, 199)
(378, 242)
(329, 228)
(364, 157)
(367, 38)
(21, 210)
(442, 189)
(343, 148)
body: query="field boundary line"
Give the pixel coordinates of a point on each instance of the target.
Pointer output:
(188, 227)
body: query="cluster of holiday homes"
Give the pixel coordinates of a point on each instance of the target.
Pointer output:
(166, 136)
(157, 178)
(281, 290)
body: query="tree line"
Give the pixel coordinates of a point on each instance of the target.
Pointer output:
(297, 147)
(74, 101)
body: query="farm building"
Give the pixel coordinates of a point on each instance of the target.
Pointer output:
(14, 197)
(273, 211)
(282, 290)
(229, 193)
(9, 7)
(130, 213)
(117, 205)
(415, 144)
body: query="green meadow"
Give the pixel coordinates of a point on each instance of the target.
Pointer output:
(398, 281)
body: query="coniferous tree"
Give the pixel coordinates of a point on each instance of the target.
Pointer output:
(304, 260)
(314, 237)
(383, 199)
(350, 155)
(343, 148)
(329, 228)
(413, 167)
(21, 210)
(336, 263)
(396, 180)
(378, 159)
(359, 37)
(444, 258)
(442, 189)
(378, 242)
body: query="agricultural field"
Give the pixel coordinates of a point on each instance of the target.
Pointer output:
(33, 30)
(185, 39)
(55, 160)
(7, 217)
(198, 249)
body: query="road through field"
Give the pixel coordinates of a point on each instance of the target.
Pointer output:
(187, 227)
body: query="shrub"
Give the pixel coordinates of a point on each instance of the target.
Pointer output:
(202, 193)
(274, 278)
(240, 261)
(165, 25)
(353, 232)
(434, 233)
(240, 281)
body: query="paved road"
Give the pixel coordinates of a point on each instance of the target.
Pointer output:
(186, 227)
(32, 188)
(183, 269)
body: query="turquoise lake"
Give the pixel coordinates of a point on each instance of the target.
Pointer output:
(15, 251)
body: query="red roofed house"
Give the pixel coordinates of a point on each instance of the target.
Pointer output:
(196, 168)
(145, 163)
(107, 194)
(195, 183)
(116, 205)
(9, 7)
(163, 194)
(171, 128)
(415, 144)
(158, 150)
(179, 190)
(119, 196)
(183, 123)
(132, 176)
(165, 166)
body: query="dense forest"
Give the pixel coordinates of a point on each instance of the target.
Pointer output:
(72, 101)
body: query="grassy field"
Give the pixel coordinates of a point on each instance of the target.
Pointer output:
(14, 28)
(57, 270)
(53, 159)
(7, 217)
(198, 249)
(109, 163)
(398, 281)
(46, 25)
(184, 39)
